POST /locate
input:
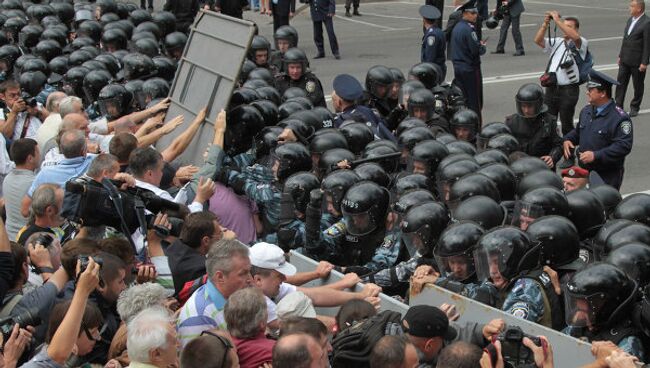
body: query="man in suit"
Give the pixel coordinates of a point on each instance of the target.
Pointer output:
(633, 57)
(512, 16)
(322, 11)
(282, 11)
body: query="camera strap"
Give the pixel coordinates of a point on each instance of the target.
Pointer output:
(116, 198)
(23, 133)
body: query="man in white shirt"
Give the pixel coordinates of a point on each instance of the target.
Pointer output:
(50, 126)
(19, 119)
(562, 98)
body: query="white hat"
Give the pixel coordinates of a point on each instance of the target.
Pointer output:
(296, 304)
(270, 256)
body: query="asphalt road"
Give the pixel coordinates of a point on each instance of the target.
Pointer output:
(389, 33)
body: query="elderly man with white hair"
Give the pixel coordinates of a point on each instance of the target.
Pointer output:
(151, 339)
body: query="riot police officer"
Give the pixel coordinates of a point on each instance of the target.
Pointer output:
(421, 105)
(464, 125)
(285, 37)
(379, 81)
(604, 132)
(433, 41)
(293, 206)
(347, 90)
(296, 74)
(534, 127)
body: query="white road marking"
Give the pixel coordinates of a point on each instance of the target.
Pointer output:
(523, 76)
(367, 23)
(575, 5)
(605, 39)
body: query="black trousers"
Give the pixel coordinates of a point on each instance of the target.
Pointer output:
(354, 3)
(143, 4)
(516, 33)
(279, 21)
(318, 35)
(561, 102)
(471, 83)
(626, 71)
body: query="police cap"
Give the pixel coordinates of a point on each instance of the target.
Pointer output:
(600, 80)
(430, 12)
(469, 6)
(347, 87)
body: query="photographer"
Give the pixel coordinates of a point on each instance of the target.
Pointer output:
(562, 93)
(542, 355)
(510, 11)
(22, 116)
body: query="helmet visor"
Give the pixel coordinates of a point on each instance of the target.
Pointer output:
(332, 201)
(491, 262)
(359, 224)
(457, 267)
(111, 107)
(525, 213)
(529, 109)
(581, 310)
(424, 113)
(414, 243)
(481, 143)
(444, 188)
(464, 133)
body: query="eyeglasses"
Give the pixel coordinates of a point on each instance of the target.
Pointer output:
(90, 336)
(226, 343)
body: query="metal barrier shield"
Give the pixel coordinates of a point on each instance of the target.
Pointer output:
(206, 76)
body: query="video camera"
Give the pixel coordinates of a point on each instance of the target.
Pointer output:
(514, 352)
(501, 11)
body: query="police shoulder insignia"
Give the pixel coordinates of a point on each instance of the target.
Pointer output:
(431, 40)
(310, 87)
(336, 229)
(474, 36)
(520, 310)
(626, 127)
(388, 242)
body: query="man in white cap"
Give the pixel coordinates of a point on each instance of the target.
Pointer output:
(270, 271)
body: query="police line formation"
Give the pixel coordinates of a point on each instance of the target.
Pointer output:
(403, 176)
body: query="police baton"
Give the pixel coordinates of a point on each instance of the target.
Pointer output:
(369, 159)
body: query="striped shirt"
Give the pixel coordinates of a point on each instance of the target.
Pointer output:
(203, 311)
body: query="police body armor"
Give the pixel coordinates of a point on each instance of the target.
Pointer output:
(535, 138)
(553, 316)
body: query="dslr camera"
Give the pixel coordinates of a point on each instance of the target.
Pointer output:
(501, 11)
(29, 100)
(27, 317)
(515, 353)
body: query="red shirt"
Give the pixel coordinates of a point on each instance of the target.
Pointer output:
(254, 352)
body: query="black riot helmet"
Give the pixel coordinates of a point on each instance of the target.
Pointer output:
(364, 208)
(111, 63)
(358, 135)
(246, 68)
(502, 249)
(291, 158)
(244, 122)
(406, 89)
(530, 97)
(29, 35)
(447, 175)
(242, 96)
(428, 73)
(298, 187)
(409, 138)
(527, 165)
(155, 88)
(166, 21)
(538, 179)
(325, 116)
(331, 157)
(138, 66)
(20, 62)
(149, 27)
(265, 141)
(135, 87)
(146, 46)
(556, 241)
(65, 11)
(372, 171)
(635, 207)
(82, 41)
(505, 143)
(259, 43)
(287, 108)
(412, 181)
(12, 26)
(609, 196)
(634, 232)
(537, 203)
(165, 68)
(379, 79)
(461, 147)
(269, 111)
(464, 124)
(426, 156)
(482, 210)
(327, 139)
(304, 102)
(139, 16)
(93, 29)
(409, 123)
(294, 56)
(598, 243)
(390, 164)
(287, 33)
(269, 93)
(302, 131)
(37, 12)
(114, 39)
(293, 92)
(114, 101)
(334, 187)
(73, 81)
(93, 84)
(47, 49)
(58, 65)
(382, 143)
(32, 82)
(445, 138)
(412, 198)
(109, 18)
(106, 6)
(175, 44)
(454, 251)
(471, 185)
(586, 211)
(634, 260)
(263, 74)
(421, 104)
(308, 117)
(78, 57)
(8, 56)
(422, 226)
(503, 177)
(35, 65)
(491, 156)
(56, 34)
(454, 157)
(598, 296)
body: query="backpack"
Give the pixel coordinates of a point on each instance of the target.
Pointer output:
(352, 346)
(584, 65)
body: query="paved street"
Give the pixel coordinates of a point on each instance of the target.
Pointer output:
(389, 33)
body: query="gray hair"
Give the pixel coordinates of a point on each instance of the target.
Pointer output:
(138, 298)
(54, 100)
(43, 197)
(245, 313)
(104, 161)
(221, 253)
(68, 105)
(147, 331)
(73, 143)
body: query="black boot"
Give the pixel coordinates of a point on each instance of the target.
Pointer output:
(356, 12)
(347, 12)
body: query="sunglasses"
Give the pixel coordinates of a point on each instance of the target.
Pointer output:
(226, 343)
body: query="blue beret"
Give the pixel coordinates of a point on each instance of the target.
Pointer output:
(347, 87)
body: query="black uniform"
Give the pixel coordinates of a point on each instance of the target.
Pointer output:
(308, 82)
(538, 136)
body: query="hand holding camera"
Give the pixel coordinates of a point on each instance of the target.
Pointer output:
(88, 275)
(513, 348)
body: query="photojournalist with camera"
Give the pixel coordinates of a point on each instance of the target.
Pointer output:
(510, 12)
(512, 348)
(22, 115)
(563, 75)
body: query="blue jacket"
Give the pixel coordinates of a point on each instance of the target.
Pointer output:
(365, 114)
(433, 46)
(320, 8)
(466, 48)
